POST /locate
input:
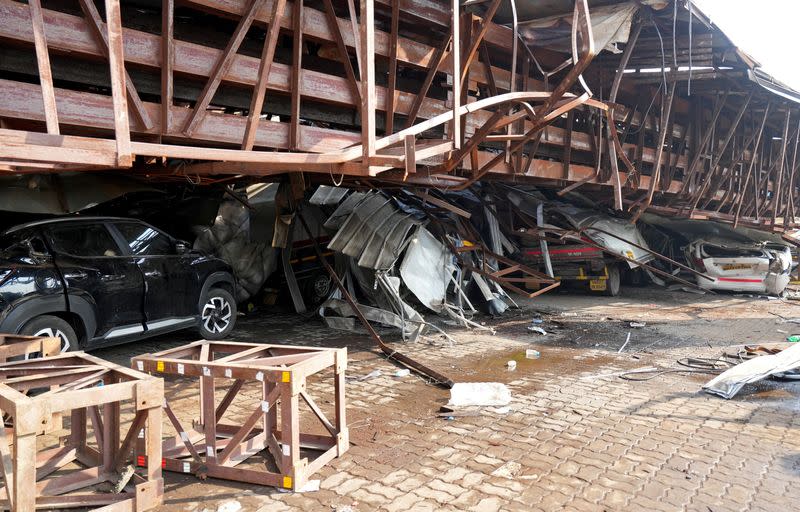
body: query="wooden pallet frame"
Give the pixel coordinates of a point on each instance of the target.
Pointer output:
(13, 345)
(88, 388)
(215, 449)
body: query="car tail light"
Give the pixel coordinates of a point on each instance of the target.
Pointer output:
(698, 264)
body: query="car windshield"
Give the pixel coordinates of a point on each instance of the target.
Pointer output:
(12, 244)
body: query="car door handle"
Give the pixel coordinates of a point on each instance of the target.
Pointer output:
(77, 275)
(152, 273)
(111, 277)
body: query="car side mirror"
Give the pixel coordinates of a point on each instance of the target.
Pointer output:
(182, 247)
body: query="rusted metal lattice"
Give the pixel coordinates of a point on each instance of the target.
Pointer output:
(277, 454)
(77, 471)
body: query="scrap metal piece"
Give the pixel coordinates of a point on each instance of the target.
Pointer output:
(437, 377)
(427, 269)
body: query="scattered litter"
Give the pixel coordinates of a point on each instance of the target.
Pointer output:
(537, 321)
(781, 331)
(628, 339)
(637, 325)
(534, 328)
(449, 418)
(508, 470)
(371, 375)
(230, 506)
(565, 313)
(402, 373)
(512, 365)
(793, 338)
(479, 393)
(532, 354)
(728, 383)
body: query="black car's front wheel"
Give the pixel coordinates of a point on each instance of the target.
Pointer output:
(217, 314)
(49, 325)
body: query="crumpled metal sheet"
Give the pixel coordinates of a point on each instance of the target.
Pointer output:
(427, 268)
(731, 381)
(338, 314)
(326, 195)
(375, 232)
(344, 210)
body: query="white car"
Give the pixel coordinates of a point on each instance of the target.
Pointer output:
(756, 268)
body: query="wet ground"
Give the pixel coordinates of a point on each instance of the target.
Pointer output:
(576, 436)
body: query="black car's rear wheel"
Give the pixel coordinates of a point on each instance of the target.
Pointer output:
(217, 314)
(49, 325)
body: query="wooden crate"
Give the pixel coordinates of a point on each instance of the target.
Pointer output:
(216, 449)
(77, 470)
(13, 345)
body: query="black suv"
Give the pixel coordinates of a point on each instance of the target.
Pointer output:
(96, 281)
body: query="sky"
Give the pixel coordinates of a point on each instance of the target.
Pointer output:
(767, 30)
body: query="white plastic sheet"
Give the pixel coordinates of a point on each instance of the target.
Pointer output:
(730, 382)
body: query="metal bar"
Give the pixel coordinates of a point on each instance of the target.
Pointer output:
(437, 377)
(369, 100)
(116, 61)
(297, 72)
(103, 42)
(43, 63)
(392, 72)
(167, 63)
(333, 23)
(455, 57)
(265, 65)
(437, 60)
(222, 66)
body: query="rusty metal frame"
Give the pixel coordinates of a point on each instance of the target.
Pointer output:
(92, 391)
(455, 45)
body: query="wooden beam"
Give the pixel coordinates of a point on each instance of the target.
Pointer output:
(116, 62)
(297, 65)
(103, 44)
(221, 67)
(267, 56)
(167, 62)
(43, 62)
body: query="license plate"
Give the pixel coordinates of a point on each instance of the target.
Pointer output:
(736, 266)
(597, 285)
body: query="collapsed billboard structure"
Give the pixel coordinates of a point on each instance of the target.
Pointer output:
(644, 105)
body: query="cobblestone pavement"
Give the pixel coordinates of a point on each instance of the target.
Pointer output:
(572, 438)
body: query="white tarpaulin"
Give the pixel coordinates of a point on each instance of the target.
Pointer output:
(611, 24)
(729, 382)
(426, 269)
